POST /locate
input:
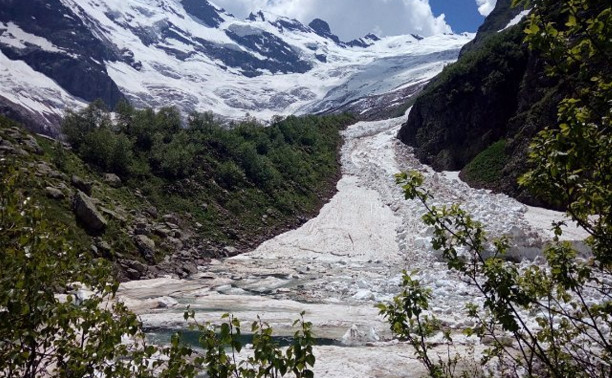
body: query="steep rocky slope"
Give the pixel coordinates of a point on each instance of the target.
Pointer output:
(479, 114)
(147, 224)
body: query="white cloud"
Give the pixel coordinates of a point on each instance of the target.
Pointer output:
(486, 6)
(351, 19)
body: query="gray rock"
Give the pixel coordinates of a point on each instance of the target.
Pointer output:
(54, 193)
(176, 244)
(190, 269)
(7, 149)
(87, 212)
(133, 274)
(103, 247)
(230, 251)
(114, 215)
(31, 145)
(112, 180)
(172, 225)
(162, 232)
(137, 265)
(170, 218)
(152, 211)
(82, 185)
(146, 246)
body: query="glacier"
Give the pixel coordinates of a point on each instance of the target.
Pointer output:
(198, 57)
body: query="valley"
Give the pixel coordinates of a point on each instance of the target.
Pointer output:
(339, 265)
(165, 163)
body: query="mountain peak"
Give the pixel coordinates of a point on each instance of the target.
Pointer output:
(322, 28)
(204, 11)
(259, 16)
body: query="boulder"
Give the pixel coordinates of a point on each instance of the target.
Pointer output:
(87, 213)
(114, 215)
(230, 251)
(7, 148)
(174, 243)
(54, 193)
(170, 218)
(146, 246)
(152, 211)
(104, 249)
(43, 169)
(82, 185)
(166, 302)
(31, 145)
(173, 226)
(162, 231)
(112, 179)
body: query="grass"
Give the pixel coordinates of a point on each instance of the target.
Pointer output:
(487, 166)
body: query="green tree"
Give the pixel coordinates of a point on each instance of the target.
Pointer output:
(59, 315)
(572, 163)
(76, 125)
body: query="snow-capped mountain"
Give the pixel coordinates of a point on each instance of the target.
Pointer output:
(61, 54)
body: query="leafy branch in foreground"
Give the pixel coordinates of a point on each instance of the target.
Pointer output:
(406, 315)
(548, 312)
(552, 319)
(222, 344)
(59, 315)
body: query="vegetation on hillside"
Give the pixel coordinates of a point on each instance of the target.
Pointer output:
(487, 166)
(552, 319)
(165, 190)
(496, 90)
(58, 311)
(59, 315)
(243, 179)
(466, 108)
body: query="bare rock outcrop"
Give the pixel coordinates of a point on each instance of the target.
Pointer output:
(87, 213)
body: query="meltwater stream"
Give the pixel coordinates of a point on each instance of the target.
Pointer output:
(337, 266)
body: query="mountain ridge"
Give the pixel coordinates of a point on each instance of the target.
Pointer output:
(190, 54)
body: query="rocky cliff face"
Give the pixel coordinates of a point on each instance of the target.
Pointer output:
(70, 53)
(497, 91)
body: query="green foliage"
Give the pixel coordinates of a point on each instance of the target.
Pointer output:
(240, 172)
(58, 315)
(572, 336)
(573, 160)
(568, 297)
(501, 55)
(267, 359)
(408, 321)
(77, 125)
(487, 166)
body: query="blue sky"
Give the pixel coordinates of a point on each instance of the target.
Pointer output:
(461, 15)
(351, 19)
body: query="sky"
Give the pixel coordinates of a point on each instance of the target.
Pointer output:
(351, 19)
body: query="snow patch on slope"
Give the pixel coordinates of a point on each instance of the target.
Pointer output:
(12, 35)
(33, 90)
(518, 18)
